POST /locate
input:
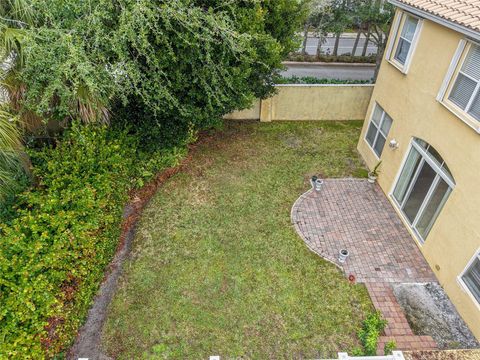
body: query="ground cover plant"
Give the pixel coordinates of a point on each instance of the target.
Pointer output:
(216, 265)
(59, 235)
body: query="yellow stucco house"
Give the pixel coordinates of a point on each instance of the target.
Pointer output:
(423, 123)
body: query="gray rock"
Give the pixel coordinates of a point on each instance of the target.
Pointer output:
(429, 311)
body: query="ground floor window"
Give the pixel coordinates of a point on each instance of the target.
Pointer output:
(471, 278)
(378, 130)
(423, 187)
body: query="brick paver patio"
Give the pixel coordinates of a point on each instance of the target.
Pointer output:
(355, 215)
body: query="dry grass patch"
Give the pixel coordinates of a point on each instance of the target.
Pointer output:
(217, 267)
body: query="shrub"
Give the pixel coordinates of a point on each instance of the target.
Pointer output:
(389, 347)
(370, 59)
(7, 203)
(65, 231)
(373, 326)
(313, 80)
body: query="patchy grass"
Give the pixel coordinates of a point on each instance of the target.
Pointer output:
(217, 268)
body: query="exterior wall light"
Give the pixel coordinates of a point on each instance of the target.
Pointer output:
(393, 144)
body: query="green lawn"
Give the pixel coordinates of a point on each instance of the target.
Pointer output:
(218, 269)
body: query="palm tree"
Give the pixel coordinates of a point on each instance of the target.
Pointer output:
(14, 17)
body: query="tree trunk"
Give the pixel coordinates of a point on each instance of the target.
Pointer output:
(355, 44)
(305, 39)
(337, 42)
(320, 43)
(365, 46)
(380, 51)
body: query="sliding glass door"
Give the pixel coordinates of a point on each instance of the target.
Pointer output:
(423, 187)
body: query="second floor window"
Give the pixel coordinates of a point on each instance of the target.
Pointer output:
(460, 90)
(465, 90)
(405, 34)
(405, 39)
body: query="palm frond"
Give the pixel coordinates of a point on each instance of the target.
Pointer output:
(10, 139)
(18, 13)
(11, 40)
(89, 108)
(22, 10)
(10, 152)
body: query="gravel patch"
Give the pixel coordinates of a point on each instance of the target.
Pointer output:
(429, 311)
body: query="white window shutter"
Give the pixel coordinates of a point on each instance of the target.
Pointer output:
(393, 35)
(451, 69)
(413, 46)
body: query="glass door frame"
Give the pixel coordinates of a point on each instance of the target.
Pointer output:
(425, 157)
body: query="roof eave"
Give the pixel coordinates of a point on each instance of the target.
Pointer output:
(425, 14)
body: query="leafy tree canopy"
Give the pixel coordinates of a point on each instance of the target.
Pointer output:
(181, 63)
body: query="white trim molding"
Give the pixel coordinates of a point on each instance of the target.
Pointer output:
(462, 283)
(448, 82)
(413, 47)
(451, 69)
(397, 29)
(379, 132)
(391, 42)
(396, 355)
(440, 174)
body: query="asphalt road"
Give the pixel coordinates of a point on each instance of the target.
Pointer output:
(341, 72)
(345, 46)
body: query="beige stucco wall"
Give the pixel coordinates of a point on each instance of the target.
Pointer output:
(324, 102)
(411, 101)
(247, 114)
(311, 102)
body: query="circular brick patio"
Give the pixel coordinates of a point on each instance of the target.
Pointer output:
(355, 215)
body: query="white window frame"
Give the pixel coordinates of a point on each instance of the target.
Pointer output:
(463, 284)
(379, 130)
(440, 174)
(400, 19)
(449, 81)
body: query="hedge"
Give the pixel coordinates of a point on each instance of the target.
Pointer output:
(313, 80)
(54, 251)
(345, 58)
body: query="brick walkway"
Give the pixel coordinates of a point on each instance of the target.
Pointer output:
(355, 215)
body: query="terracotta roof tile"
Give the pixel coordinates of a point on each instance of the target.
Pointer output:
(462, 12)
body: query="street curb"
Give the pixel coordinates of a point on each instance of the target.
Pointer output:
(317, 63)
